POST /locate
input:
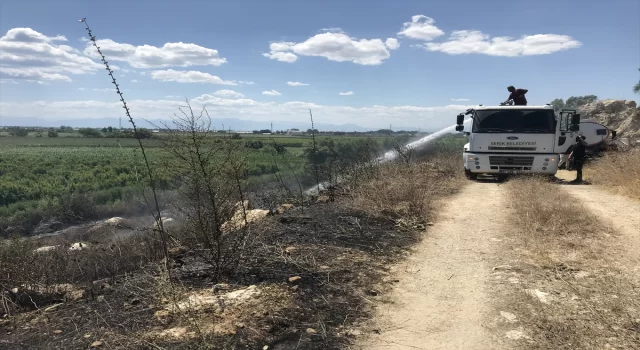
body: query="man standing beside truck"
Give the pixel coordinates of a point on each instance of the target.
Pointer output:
(578, 155)
(517, 95)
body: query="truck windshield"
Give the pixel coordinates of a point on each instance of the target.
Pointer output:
(514, 121)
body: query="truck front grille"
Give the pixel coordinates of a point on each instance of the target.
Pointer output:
(511, 162)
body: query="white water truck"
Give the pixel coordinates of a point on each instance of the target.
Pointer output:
(522, 139)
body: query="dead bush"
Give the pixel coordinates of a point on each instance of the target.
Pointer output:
(409, 190)
(212, 189)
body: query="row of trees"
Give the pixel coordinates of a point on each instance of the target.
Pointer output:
(573, 102)
(110, 132)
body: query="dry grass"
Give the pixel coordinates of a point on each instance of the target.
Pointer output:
(407, 192)
(30, 279)
(619, 172)
(560, 248)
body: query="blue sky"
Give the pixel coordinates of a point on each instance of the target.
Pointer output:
(412, 63)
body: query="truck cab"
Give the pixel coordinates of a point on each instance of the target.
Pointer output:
(516, 139)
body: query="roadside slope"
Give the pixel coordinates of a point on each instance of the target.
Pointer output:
(442, 298)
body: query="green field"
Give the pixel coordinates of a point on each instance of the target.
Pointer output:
(36, 172)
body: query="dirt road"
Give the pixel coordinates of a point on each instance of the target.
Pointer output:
(449, 292)
(442, 300)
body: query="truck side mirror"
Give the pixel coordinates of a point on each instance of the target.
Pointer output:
(575, 122)
(460, 119)
(459, 127)
(575, 119)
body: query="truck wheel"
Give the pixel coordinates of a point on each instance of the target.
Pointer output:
(470, 175)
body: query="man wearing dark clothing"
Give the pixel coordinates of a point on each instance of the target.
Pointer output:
(517, 95)
(578, 155)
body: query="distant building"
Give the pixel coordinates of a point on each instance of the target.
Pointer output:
(295, 132)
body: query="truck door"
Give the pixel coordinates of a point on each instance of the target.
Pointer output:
(565, 116)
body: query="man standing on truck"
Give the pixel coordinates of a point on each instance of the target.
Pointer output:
(517, 95)
(578, 155)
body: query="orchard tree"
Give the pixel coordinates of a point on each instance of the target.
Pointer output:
(558, 104)
(579, 101)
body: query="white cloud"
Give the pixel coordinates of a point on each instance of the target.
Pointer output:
(476, 42)
(421, 27)
(28, 35)
(228, 93)
(460, 99)
(246, 82)
(146, 56)
(189, 77)
(375, 116)
(271, 93)
(392, 43)
(134, 81)
(337, 47)
(281, 56)
(296, 83)
(28, 54)
(348, 93)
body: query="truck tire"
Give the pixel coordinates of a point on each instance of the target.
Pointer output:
(470, 175)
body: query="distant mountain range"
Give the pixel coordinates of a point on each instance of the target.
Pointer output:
(218, 123)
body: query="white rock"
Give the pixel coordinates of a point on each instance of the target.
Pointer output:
(543, 297)
(581, 274)
(511, 318)
(116, 220)
(44, 249)
(242, 294)
(79, 246)
(517, 334)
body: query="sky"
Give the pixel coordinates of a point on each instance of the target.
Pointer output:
(371, 63)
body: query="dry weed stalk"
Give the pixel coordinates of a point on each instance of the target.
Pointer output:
(155, 210)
